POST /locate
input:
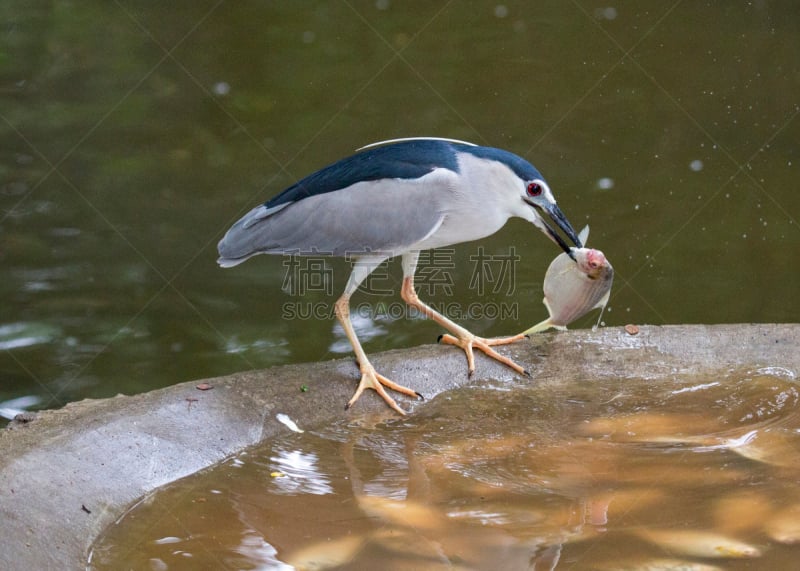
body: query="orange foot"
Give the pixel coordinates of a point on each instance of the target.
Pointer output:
(470, 341)
(370, 379)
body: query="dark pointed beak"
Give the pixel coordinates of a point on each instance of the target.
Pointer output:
(555, 214)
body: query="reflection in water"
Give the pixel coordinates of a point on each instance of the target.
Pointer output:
(17, 335)
(366, 328)
(259, 554)
(668, 474)
(296, 472)
(11, 408)
(236, 344)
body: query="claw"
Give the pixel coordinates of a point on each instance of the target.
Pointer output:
(371, 379)
(467, 343)
(463, 338)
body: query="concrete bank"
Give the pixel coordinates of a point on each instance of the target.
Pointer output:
(69, 473)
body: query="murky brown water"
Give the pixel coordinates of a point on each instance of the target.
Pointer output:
(692, 473)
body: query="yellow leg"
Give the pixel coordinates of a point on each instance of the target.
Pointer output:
(461, 337)
(369, 377)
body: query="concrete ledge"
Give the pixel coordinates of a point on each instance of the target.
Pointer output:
(69, 473)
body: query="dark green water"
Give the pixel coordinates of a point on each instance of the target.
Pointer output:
(133, 134)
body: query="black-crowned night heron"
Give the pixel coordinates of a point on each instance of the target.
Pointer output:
(395, 198)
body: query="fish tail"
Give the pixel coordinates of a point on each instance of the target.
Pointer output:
(543, 326)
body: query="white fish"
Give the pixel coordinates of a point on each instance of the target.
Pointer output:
(290, 424)
(404, 513)
(785, 526)
(775, 446)
(572, 288)
(743, 510)
(327, 554)
(663, 565)
(699, 543)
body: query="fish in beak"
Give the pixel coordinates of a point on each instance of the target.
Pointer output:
(554, 213)
(572, 288)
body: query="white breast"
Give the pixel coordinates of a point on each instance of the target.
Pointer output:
(481, 200)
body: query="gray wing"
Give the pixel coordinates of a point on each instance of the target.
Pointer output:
(385, 217)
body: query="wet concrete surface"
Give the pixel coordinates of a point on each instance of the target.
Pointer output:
(67, 474)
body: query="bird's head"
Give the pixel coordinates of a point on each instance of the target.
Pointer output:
(526, 194)
(537, 195)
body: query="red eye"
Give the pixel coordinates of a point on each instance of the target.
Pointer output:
(534, 189)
